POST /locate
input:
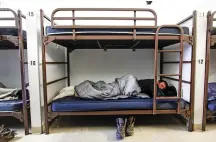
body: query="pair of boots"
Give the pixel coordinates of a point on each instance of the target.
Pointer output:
(125, 127)
(6, 134)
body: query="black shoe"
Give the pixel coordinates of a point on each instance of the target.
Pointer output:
(121, 124)
(130, 126)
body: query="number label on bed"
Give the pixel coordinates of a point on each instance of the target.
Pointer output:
(200, 61)
(33, 63)
(31, 14)
(201, 14)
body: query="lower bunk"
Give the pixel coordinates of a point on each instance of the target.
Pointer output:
(71, 105)
(11, 102)
(211, 102)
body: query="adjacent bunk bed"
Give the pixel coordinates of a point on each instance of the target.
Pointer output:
(132, 37)
(14, 102)
(209, 107)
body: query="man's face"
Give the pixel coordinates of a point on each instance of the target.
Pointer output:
(162, 85)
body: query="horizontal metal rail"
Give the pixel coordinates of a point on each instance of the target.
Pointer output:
(185, 20)
(175, 62)
(57, 80)
(175, 79)
(74, 18)
(116, 112)
(101, 27)
(56, 62)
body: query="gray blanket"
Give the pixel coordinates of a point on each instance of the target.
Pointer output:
(9, 94)
(123, 87)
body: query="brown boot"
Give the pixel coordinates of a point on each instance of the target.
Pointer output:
(121, 124)
(130, 126)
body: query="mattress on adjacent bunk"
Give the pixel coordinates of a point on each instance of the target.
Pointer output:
(73, 104)
(11, 105)
(10, 32)
(213, 31)
(110, 31)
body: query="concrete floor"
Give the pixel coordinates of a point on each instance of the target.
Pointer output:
(102, 129)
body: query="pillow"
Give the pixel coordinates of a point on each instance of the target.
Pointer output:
(67, 91)
(142, 95)
(2, 85)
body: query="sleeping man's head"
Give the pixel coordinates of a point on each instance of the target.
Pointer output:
(162, 84)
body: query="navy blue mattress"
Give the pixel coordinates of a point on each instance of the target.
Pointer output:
(125, 31)
(212, 105)
(5, 44)
(11, 31)
(11, 105)
(213, 31)
(72, 104)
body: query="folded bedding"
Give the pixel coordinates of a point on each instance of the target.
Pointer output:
(10, 93)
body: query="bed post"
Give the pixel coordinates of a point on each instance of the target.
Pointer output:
(155, 72)
(44, 73)
(207, 62)
(22, 70)
(193, 65)
(68, 66)
(161, 64)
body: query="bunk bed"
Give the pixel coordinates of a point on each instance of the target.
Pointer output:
(14, 38)
(126, 37)
(209, 103)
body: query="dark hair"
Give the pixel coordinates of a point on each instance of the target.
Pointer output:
(160, 81)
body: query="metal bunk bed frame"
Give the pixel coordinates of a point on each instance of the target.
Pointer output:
(210, 44)
(46, 39)
(18, 42)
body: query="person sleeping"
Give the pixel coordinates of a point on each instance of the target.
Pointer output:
(147, 87)
(124, 87)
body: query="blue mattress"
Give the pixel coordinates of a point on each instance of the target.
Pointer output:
(125, 31)
(11, 31)
(71, 104)
(212, 105)
(11, 105)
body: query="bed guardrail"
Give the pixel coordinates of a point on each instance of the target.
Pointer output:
(190, 17)
(14, 18)
(74, 18)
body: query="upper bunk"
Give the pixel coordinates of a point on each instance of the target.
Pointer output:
(11, 29)
(95, 33)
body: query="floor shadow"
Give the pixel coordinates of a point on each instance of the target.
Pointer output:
(66, 123)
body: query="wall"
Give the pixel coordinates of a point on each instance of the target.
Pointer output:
(212, 67)
(100, 65)
(174, 68)
(10, 68)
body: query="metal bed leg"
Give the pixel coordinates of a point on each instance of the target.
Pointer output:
(44, 74)
(22, 68)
